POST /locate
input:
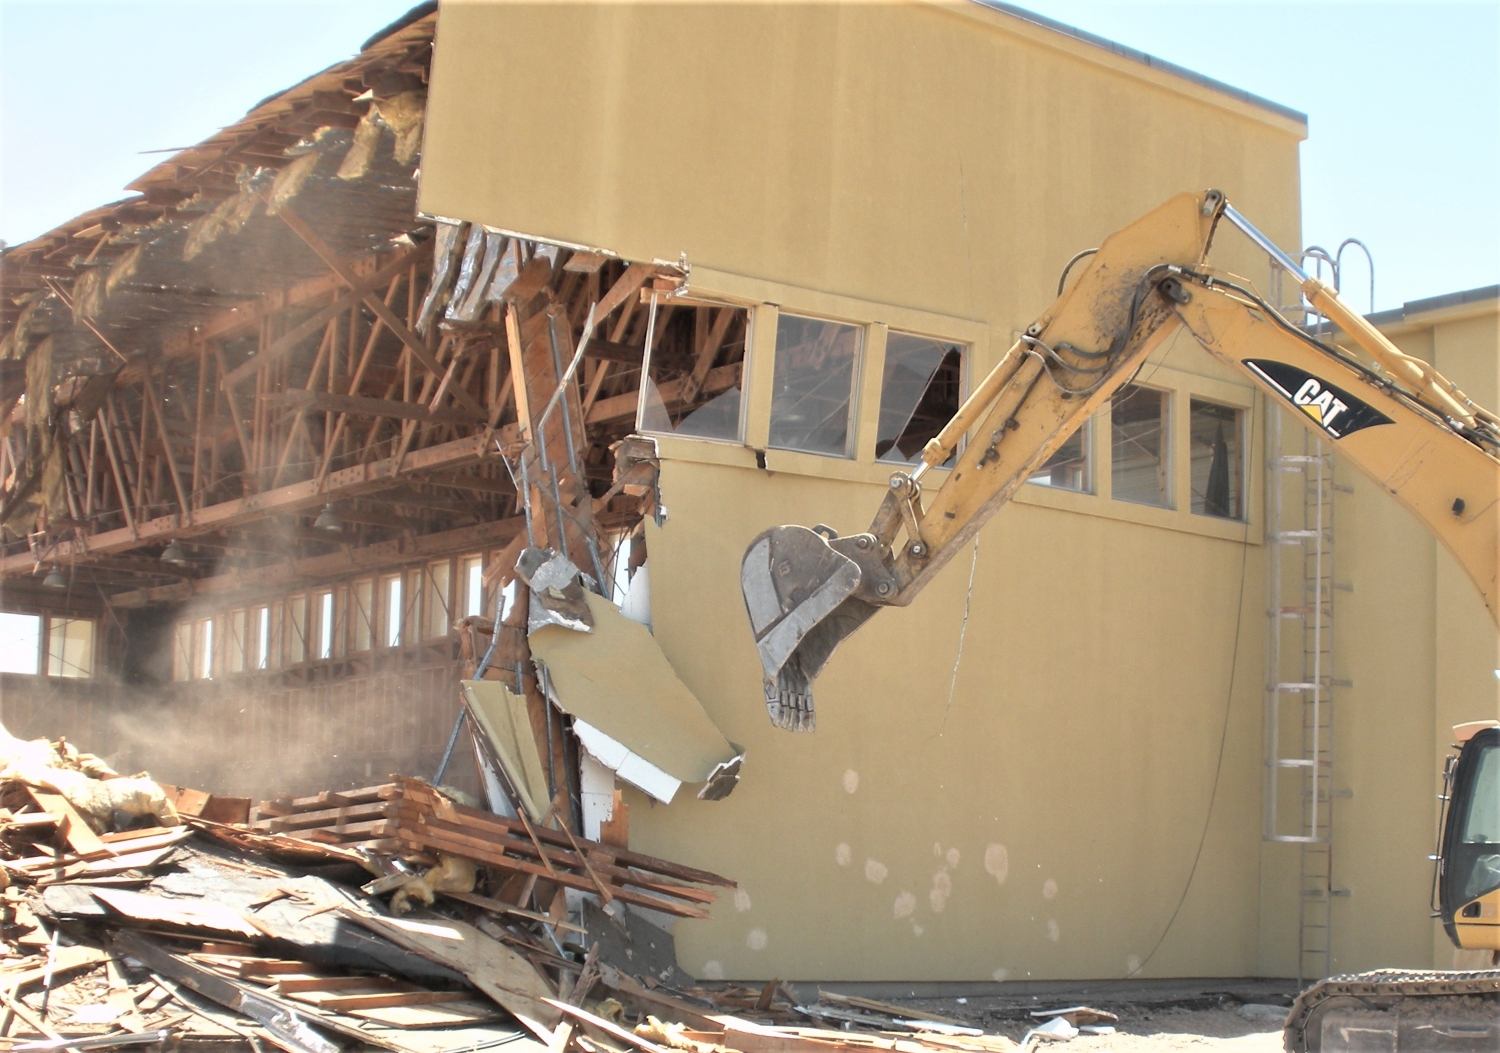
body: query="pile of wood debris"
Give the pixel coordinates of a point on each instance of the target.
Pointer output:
(392, 917)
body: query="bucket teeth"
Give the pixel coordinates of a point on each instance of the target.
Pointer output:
(790, 706)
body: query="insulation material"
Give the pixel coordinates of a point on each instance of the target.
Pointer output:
(122, 269)
(88, 293)
(616, 680)
(403, 115)
(232, 214)
(468, 270)
(468, 310)
(289, 181)
(362, 151)
(87, 783)
(443, 252)
(506, 723)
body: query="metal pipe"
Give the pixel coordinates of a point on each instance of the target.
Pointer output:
(1269, 247)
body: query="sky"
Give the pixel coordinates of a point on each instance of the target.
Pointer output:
(1403, 102)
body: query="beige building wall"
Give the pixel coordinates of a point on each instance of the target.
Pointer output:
(1421, 655)
(1080, 796)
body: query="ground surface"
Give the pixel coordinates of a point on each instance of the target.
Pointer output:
(1205, 1016)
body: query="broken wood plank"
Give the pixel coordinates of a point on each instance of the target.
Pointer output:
(347, 1003)
(158, 910)
(71, 824)
(609, 1028)
(495, 969)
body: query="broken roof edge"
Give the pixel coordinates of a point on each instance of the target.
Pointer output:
(1143, 58)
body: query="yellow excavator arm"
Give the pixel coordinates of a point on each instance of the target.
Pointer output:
(1391, 416)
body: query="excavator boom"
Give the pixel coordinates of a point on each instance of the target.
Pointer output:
(1391, 416)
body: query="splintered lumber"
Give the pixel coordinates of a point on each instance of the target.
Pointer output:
(275, 1016)
(488, 964)
(71, 825)
(609, 1028)
(408, 815)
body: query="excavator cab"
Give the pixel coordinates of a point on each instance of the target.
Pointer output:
(1468, 864)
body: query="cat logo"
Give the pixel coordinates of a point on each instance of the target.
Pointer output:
(1332, 408)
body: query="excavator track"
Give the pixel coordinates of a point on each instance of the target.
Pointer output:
(1398, 1011)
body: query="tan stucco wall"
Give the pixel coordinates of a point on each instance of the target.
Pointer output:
(1421, 653)
(931, 168)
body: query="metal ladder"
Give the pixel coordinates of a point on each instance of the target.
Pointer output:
(1300, 682)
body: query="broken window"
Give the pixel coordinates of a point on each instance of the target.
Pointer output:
(1068, 467)
(1218, 463)
(362, 614)
(812, 399)
(1138, 447)
(439, 576)
(920, 391)
(471, 570)
(696, 373)
(20, 642)
(70, 647)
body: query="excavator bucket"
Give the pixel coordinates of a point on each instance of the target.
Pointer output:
(799, 593)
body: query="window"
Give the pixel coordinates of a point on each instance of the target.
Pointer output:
(323, 602)
(920, 391)
(236, 640)
(20, 643)
(203, 649)
(390, 589)
(70, 647)
(812, 399)
(182, 652)
(1138, 431)
(471, 569)
(362, 614)
(1068, 467)
(696, 373)
(294, 631)
(1218, 462)
(411, 600)
(261, 627)
(439, 597)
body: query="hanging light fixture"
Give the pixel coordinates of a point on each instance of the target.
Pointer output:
(328, 520)
(55, 579)
(174, 553)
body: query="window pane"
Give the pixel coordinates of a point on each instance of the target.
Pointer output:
(1138, 429)
(262, 628)
(235, 640)
(473, 576)
(20, 643)
(182, 652)
(1068, 467)
(363, 614)
(203, 649)
(70, 647)
(324, 602)
(392, 597)
(920, 391)
(812, 391)
(294, 631)
(439, 599)
(1218, 465)
(697, 367)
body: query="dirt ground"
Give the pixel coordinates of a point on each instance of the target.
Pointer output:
(1154, 1017)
